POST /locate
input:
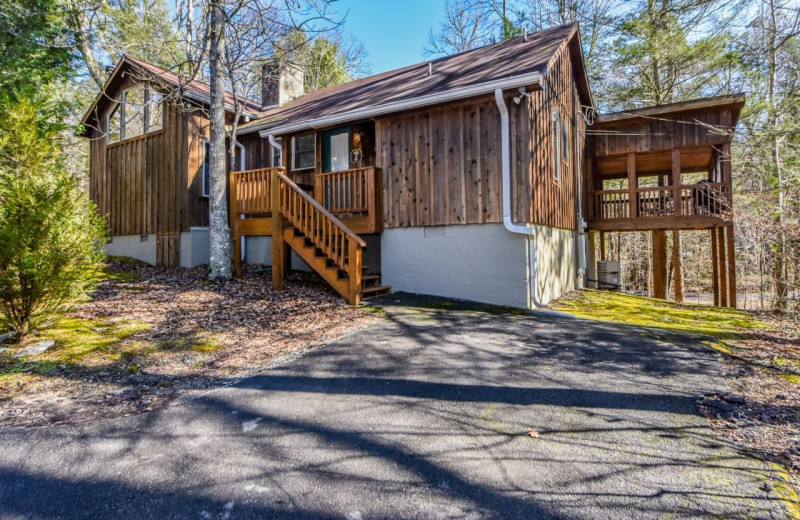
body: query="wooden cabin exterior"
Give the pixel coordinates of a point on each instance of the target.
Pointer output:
(470, 176)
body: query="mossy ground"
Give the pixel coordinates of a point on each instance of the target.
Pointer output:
(619, 307)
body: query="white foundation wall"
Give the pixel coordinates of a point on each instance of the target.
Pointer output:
(195, 247)
(480, 262)
(140, 247)
(556, 262)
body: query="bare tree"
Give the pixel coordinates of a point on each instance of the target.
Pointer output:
(467, 24)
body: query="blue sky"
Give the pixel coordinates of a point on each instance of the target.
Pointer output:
(393, 31)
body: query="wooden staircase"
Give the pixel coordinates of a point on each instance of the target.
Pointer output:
(321, 240)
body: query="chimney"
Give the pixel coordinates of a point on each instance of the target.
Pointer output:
(280, 83)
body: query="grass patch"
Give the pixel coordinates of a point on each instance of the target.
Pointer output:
(204, 344)
(77, 342)
(722, 323)
(791, 378)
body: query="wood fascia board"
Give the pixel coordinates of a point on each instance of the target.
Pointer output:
(720, 102)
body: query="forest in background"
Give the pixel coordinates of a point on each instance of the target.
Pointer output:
(638, 53)
(652, 52)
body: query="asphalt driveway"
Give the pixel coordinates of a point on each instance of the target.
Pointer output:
(434, 413)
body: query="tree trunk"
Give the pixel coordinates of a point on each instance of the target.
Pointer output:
(219, 232)
(677, 265)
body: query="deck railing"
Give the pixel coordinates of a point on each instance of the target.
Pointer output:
(348, 191)
(701, 199)
(251, 191)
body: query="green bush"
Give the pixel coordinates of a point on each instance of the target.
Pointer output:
(50, 234)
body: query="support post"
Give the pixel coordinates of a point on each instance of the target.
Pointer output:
(660, 264)
(591, 264)
(731, 269)
(602, 245)
(632, 185)
(714, 267)
(237, 247)
(279, 248)
(677, 265)
(723, 268)
(676, 182)
(355, 263)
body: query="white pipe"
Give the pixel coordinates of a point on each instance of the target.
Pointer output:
(508, 221)
(242, 167)
(274, 143)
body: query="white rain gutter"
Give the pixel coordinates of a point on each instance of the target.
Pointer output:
(508, 222)
(523, 80)
(274, 143)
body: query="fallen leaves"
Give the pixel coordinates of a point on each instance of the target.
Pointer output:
(200, 335)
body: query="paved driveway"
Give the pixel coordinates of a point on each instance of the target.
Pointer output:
(424, 416)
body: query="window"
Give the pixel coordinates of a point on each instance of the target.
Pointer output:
(277, 153)
(155, 112)
(206, 180)
(304, 152)
(115, 124)
(133, 112)
(141, 110)
(564, 141)
(556, 146)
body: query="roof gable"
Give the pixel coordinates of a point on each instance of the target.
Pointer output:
(515, 57)
(190, 89)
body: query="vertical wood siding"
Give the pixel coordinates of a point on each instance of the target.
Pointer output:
(442, 166)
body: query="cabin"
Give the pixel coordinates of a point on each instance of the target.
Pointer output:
(484, 175)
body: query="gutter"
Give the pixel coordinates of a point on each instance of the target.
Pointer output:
(508, 222)
(274, 143)
(523, 80)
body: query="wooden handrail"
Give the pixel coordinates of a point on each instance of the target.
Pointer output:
(286, 181)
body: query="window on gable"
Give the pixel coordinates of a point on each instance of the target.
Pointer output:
(564, 141)
(206, 180)
(133, 123)
(141, 110)
(115, 124)
(155, 111)
(556, 146)
(304, 151)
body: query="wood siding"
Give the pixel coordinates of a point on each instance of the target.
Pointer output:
(442, 166)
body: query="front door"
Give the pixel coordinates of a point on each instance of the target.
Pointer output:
(336, 150)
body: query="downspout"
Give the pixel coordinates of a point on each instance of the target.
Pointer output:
(274, 144)
(581, 222)
(240, 146)
(508, 222)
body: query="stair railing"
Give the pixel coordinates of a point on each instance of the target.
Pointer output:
(326, 232)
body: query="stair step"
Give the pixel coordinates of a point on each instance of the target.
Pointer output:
(374, 291)
(369, 277)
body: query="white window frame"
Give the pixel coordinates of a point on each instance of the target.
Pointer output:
(294, 154)
(205, 191)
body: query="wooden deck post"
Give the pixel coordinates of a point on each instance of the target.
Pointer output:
(676, 182)
(660, 264)
(591, 261)
(723, 268)
(731, 269)
(677, 265)
(279, 253)
(714, 267)
(602, 245)
(237, 247)
(355, 262)
(632, 185)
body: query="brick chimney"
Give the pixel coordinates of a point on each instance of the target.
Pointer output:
(280, 83)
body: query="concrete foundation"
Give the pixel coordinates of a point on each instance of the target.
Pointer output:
(481, 262)
(140, 247)
(195, 247)
(258, 251)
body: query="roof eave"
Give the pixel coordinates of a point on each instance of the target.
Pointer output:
(523, 80)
